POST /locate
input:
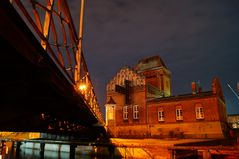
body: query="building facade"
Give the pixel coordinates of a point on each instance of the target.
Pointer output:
(140, 104)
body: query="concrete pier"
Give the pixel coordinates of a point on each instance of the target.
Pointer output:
(72, 151)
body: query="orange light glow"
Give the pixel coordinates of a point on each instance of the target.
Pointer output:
(19, 135)
(82, 87)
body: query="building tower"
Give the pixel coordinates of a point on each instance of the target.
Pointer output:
(158, 77)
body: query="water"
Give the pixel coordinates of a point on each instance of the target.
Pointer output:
(35, 154)
(8, 151)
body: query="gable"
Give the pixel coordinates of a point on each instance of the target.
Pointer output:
(125, 73)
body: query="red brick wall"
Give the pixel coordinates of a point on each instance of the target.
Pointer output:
(209, 127)
(137, 98)
(210, 105)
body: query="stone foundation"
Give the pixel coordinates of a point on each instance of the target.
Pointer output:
(197, 130)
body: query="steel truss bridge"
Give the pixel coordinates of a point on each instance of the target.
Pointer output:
(45, 84)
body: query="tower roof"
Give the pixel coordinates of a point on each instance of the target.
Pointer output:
(111, 101)
(149, 63)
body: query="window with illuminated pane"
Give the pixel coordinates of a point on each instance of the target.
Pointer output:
(179, 113)
(135, 112)
(125, 112)
(160, 114)
(110, 113)
(199, 111)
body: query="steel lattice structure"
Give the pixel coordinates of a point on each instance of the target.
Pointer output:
(52, 24)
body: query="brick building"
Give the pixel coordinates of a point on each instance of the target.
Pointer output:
(140, 104)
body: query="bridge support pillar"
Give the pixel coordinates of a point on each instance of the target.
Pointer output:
(1, 147)
(42, 148)
(111, 149)
(18, 146)
(72, 151)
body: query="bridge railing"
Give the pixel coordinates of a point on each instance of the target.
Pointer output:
(52, 24)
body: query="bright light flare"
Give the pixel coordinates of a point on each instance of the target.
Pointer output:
(82, 87)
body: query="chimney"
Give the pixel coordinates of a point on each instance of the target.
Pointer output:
(199, 87)
(194, 88)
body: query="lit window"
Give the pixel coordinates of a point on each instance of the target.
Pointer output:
(199, 111)
(125, 112)
(135, 112)
(160, 115)
(110, 113)
(179, 113)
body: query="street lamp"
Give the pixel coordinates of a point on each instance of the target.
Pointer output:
(82, 87)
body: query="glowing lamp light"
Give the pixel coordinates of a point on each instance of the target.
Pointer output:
(82, 87)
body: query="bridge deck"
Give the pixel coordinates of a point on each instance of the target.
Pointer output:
(31, 84)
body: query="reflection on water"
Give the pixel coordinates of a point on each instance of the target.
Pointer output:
(35, 154)
(8, 151)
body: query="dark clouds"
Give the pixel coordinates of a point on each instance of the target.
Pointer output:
(197, 39)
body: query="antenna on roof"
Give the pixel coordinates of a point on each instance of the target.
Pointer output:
(233, 91)
(238, 86)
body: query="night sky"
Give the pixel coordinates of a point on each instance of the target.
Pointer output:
(197, 39)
